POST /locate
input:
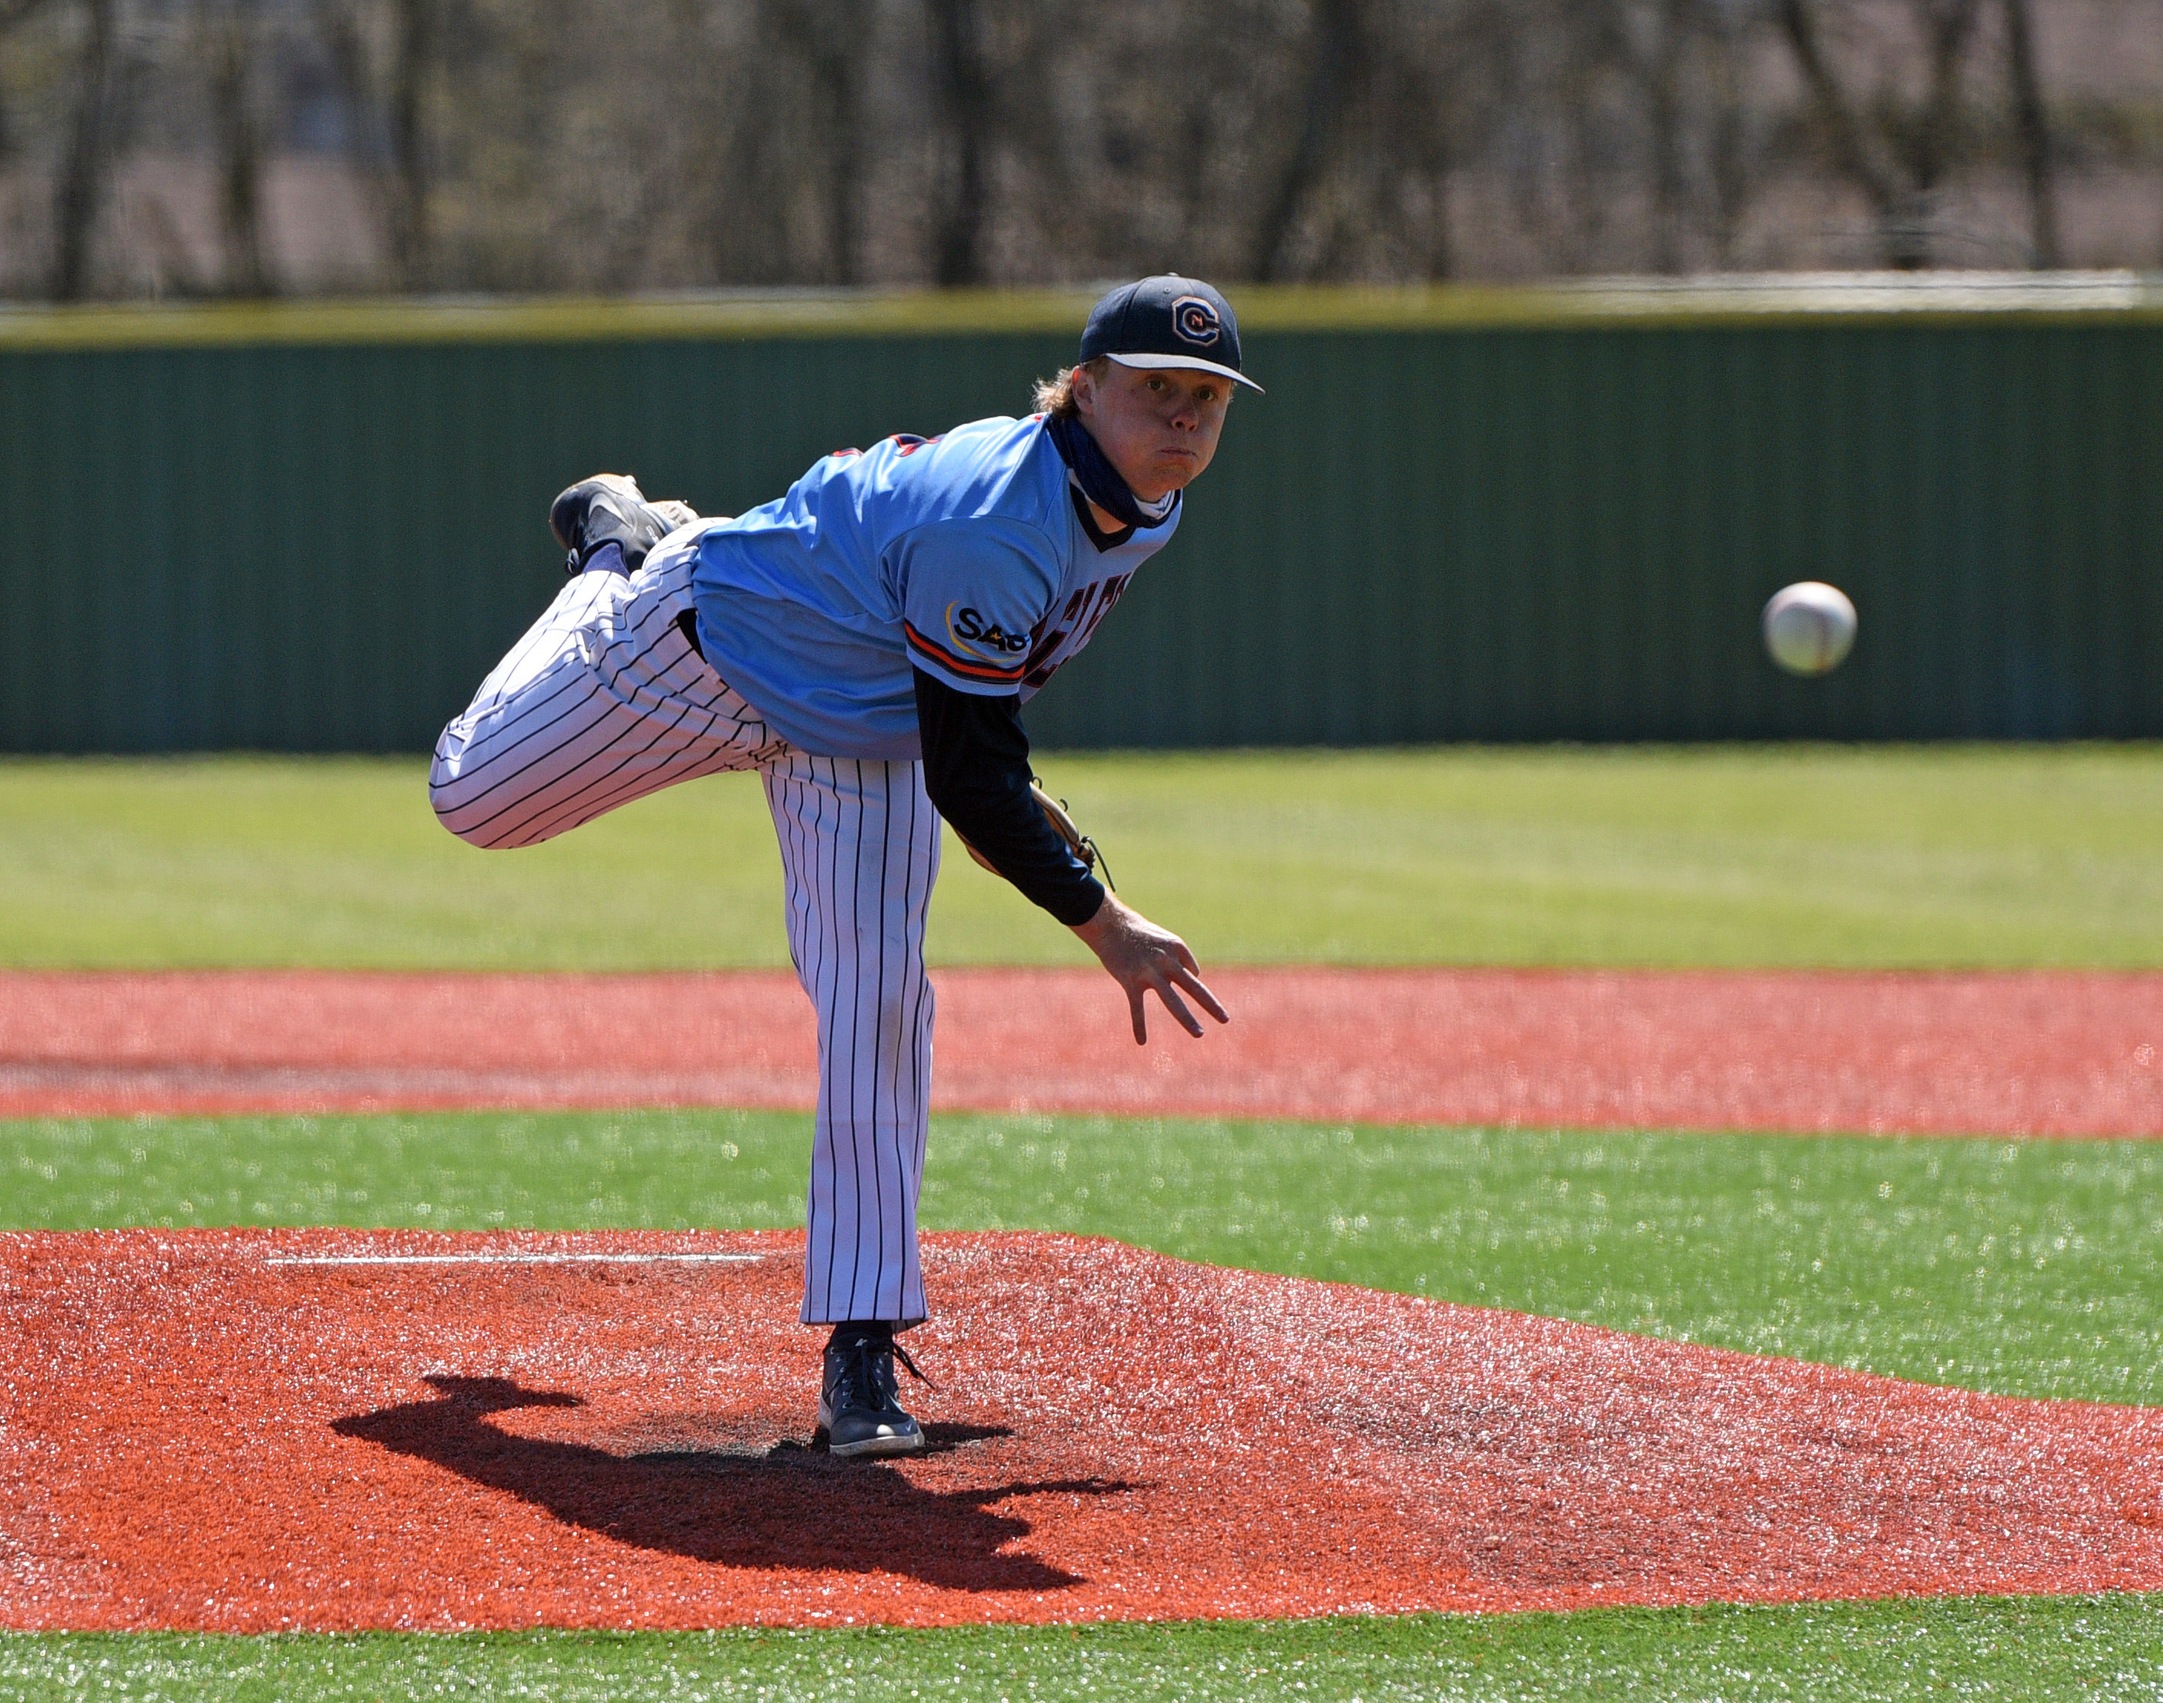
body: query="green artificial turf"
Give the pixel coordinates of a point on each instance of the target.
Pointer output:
(2032, 1648)
(2031, 1268)
(2023, 1267)
(1718, 855)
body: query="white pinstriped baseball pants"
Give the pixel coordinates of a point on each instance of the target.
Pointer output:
(603, 701)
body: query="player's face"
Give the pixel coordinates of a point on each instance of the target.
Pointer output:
(1158, 426)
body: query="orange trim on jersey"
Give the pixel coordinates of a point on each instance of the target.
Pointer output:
(973, 667)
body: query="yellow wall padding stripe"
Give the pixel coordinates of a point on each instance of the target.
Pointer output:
(1754, 299)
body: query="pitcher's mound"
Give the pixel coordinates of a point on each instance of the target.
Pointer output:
(329, 1429)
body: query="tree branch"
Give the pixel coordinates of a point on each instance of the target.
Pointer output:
(1844, 126)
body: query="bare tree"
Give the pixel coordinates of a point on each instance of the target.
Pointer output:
(1562, 125)
(1703, 155)
(638, 144)
(833, 40)
(766, 168)
(1898, 155)
(1732, 166)
(384, 52)
(413, 41)
(232, 42)
(1355, 177)
(1337, 73)
(2031, 124)
(91, 140)
(961, 80)
(1654, 41)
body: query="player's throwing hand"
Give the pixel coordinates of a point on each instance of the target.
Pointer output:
(1142, 956)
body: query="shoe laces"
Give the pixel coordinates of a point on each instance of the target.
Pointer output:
(915, 1371)
(867, 1371)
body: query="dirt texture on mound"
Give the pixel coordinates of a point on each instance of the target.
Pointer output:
(2061, 1053)
(207, 1430)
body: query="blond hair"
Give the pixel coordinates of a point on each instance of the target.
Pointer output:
(1055, 395)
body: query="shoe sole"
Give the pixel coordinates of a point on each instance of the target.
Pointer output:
(875, 1446)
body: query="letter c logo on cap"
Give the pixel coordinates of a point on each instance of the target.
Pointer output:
(1196, 320)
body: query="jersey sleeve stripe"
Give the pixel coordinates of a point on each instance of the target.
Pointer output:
(968, 666)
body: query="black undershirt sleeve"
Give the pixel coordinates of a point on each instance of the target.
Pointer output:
(976, 768)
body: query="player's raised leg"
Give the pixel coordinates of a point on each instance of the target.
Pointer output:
(604, 700)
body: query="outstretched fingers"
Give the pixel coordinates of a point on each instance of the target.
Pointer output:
(1153, 976)
(1189, 977)
(1168, 978)
(1168, 993)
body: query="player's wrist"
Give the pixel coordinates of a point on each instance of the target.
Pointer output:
(1101, 923)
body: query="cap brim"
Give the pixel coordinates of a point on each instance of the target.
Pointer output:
(1187, 363)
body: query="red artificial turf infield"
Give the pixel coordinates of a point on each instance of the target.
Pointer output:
(197, 1436)
(2046, 1053)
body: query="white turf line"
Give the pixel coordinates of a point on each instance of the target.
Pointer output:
(509, 1259)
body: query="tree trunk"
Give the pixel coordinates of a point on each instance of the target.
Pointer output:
(1729, 167)
(1663, 78)
(832, 40)
(1442, 231)
(412, 51)
(1937, 136)
(965, 98)
(81, 186)
(1332, 75)
(843, 74)
(386, 109)
(2031, 122)
(239, 135)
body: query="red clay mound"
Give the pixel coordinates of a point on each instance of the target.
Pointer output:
(200, 1436)
(2040, 1054)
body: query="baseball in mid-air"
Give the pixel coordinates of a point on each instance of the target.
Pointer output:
(1809, 627)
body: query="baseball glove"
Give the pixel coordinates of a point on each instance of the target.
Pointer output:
(1062, 824)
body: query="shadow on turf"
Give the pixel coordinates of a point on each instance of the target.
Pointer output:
(792, 1507)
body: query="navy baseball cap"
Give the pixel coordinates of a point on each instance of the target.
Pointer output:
(1166, 321)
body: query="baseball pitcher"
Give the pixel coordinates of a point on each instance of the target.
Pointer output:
(866, 642)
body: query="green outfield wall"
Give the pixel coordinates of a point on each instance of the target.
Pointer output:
(1548, 514)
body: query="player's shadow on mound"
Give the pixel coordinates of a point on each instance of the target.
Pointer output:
(793, 1507)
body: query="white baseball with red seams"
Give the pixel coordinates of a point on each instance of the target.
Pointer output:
(1809, 627)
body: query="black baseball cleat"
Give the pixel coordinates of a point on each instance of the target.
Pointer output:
(608, 509)
(859, 1401)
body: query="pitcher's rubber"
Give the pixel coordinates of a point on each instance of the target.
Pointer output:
(2057, 1053)
(207, 1430)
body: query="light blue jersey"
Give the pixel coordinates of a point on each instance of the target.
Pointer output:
(961, 555)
